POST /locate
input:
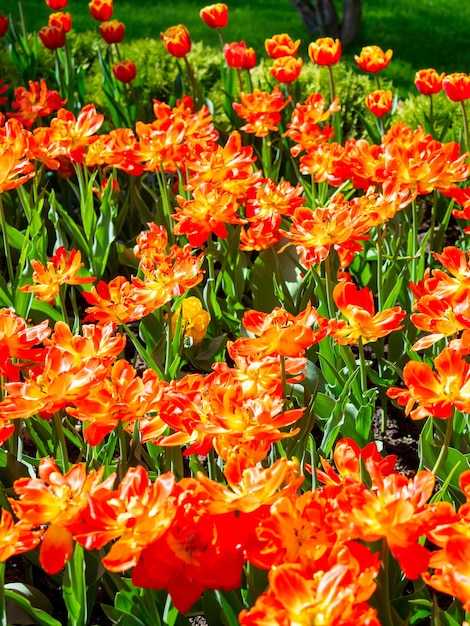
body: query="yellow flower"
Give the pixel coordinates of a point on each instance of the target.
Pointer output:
(194, 322)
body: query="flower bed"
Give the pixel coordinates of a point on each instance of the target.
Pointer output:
(207, 327)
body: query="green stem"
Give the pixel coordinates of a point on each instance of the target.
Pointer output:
(163, 188)
(445, 445)
(123, 448)
(385, 604)
(362, 365)
(377, 80)
(3, 609)
(332, 83)
(431, 114)
(60, 448)
(6, 247)
(283, 379)
(329, 287)
(266, 156)
(414, 241)
(194, 83)
(465, 125)
(380, 238)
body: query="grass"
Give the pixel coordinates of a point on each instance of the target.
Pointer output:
(425, 33)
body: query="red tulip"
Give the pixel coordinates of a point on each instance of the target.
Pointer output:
(113, 31)
(101, 10)
(215, 15)
(428, 82)
(176, 40)
(457, 86)
(56, 5)
(52, 37)
(3, 25)
(125, 71)
(237, 55)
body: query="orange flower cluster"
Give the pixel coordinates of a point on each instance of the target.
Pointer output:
(15, 166)
(39, 101)
(61, 269)
(443, 301)
(286, 67)
(261, 110)
(165, 275)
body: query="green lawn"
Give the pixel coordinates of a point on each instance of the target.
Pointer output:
(425, 33)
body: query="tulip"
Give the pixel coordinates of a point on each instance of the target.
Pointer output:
(379, 102)
(373, 59)
(125, 71)
(56, 5)
(52, 37)
(3, 25)
(176, 40)
(113, 31)
(101, 10)
(238, 56)
(325, 51)
(457, 86)
(281, 46)
(215, 15)
(61, 20)
(286, 69)
(428, 82)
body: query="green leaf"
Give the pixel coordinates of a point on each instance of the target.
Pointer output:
(74, 588)
(39, 616)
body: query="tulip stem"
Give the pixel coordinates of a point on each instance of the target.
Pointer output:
(445, 445)
(194, 83)
(465, 125)
(6, 247)
(3, 610)
(362, 365)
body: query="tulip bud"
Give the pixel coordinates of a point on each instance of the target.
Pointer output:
(281, 46)
(52, 37)
(379, 102)
(113, 31)
(177, 40)
(238, 56)
(61, 20)
(457, 86)
(215, 15)
(373, 59)
(124, 71)
(428, 82)
(325, 51)
(194, 320)
(101, 10)
(286, 69)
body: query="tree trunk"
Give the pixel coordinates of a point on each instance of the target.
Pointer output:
(351, 20)
(321, 18)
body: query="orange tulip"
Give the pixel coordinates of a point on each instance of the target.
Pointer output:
(261, 110)
(379, 102)
(15, 538)
(363, 323)
(428, 82)
(39, 101)
(209, 210)
(125, 71)
(281, 46)
(112, 31)
(435, 393)
(373, 59)
(101, 10)
(52, 37)
(325, 51)
(58, 500)
(177, 40)
(61, 269)
(286, 69)
(215, 15)
(457, 86)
